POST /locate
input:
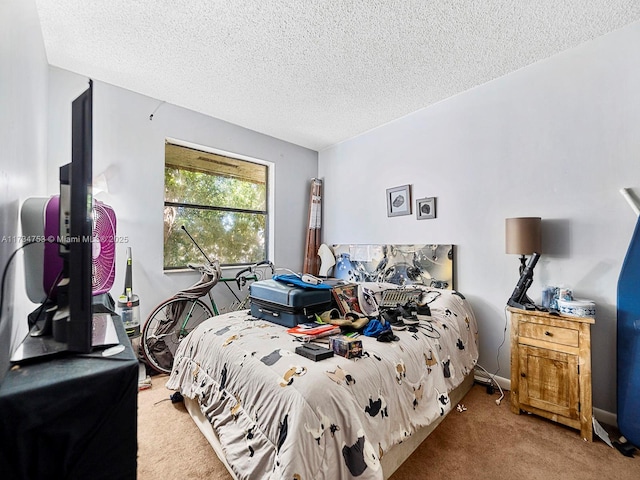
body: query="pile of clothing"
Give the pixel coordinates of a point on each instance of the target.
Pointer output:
(378, 317)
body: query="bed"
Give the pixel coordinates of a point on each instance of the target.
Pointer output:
(270, 413)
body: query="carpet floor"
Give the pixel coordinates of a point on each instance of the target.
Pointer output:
(485, 441)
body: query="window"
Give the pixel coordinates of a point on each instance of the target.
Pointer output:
(220, 200)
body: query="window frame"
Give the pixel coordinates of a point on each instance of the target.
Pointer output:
(270, 197)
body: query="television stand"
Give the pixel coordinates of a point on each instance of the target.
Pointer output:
(73, 416)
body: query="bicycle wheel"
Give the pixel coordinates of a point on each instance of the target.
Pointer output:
(165, 328)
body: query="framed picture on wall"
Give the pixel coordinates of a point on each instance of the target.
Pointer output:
(399, 201)
(426, 208)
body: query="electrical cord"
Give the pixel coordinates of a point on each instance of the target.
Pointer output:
(504, 337)
(493, 380)
(492, 376)
(6, 269)
(44, 304)
(282, 269)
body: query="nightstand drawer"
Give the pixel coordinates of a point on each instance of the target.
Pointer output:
(548, 333)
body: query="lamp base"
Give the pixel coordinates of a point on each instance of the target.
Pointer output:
(523, 263)
(525, 304)
(519, 298)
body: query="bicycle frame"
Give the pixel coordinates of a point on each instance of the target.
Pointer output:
(241, 278)
(171, 321)
(183, 328)
(248, 274)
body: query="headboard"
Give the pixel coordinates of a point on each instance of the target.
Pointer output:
(430, 265)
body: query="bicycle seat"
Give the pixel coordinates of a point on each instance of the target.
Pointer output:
(210, 275)
(212, 268)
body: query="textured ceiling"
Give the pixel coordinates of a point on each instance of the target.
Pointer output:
(314, 72)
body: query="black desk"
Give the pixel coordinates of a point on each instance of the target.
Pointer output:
(72, 417)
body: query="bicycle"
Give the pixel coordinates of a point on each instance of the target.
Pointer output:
(174, 318)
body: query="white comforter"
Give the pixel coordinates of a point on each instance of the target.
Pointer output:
(280, 415)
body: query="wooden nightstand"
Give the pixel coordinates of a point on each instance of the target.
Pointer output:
(551, 367)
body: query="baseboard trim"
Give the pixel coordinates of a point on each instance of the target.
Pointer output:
(608, 418)
(482, 377)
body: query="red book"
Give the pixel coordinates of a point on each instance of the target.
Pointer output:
(306, 330)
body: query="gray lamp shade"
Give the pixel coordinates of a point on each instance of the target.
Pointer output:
(523, 235)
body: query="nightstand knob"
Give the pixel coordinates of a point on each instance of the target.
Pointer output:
(548, 334)
(523, 375)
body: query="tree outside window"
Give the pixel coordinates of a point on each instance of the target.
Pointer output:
(221, 201)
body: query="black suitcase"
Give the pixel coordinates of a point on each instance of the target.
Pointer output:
(287, 304)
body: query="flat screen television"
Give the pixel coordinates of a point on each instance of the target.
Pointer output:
(79, 256)
(72, 323)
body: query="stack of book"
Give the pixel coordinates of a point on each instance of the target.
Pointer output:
(311, 331)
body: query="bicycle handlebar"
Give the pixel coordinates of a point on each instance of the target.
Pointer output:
(267, 262)
(241, 277)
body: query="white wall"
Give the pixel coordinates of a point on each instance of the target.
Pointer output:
(128, 149)
(557, 139)
(23, 134)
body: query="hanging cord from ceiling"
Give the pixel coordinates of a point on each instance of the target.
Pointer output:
(153, 113)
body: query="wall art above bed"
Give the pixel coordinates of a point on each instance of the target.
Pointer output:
(431, 265)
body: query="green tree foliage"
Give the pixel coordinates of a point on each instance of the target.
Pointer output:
(234, 230)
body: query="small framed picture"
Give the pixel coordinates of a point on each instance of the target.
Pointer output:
(399, 201)
(426, 208)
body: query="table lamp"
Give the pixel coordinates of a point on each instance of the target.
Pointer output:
(523, 237)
